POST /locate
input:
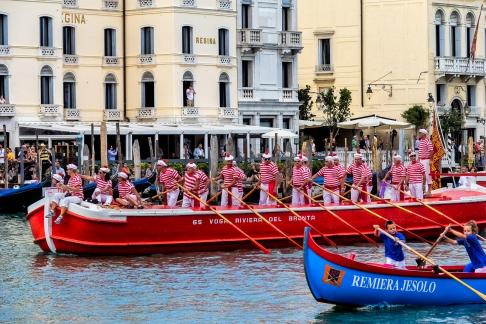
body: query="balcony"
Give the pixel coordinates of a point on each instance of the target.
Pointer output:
(72, 114)
(224, 4)
(228, 113)
(324, 68)
(146, 59)
(50, 110)
(7, 110)
(4, 50)
(146, 113)
(190, 112)
(70, 3)
(224, 60)
(460, 66)
(71, 59)
(289, 95)
(111, 60)
(290, 42)
(112, 115)
(47, 51)
(246, 93)
(188, 3)
(145, 3)
(110, 4)
(250, 40)
(188, 59)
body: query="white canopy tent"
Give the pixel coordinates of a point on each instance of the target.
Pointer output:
(281, 133)
(372, 121)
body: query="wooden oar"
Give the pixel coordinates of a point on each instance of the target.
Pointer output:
(328, 240)
(263, 218)
(261, 247)
(420, 261)
(374, 214)
(396, 240)
(337, 216)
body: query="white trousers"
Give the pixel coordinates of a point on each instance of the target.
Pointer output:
(187, 201)
(394, 193)
(172, 197)
(70, 200)
(102, 198)
(58, 196)
(297, 197)
(416, 190)
(330, 198)
(396, 264)
(234, 202)
(204, 196)
(428, 177)
(355, 194)
(265, 200)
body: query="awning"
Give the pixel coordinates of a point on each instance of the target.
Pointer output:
(304, 124)
(372, 121)
(282, 133)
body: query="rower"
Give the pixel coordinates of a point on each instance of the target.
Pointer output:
(168, 178)
(269, 178)
(333, 177)
(425, 152)
(393, 251)
(203, 185)
(398, 174)
(229, 178)
(299, 180)
(191, 183)
(240, 177)
(104, 188)
(128, 194)
(307, 175)
(415, 177)
(361, 175)
(74, 188)
(340, 169)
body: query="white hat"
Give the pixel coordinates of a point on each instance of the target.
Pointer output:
(191, 165)
(335, 158)
(58, 178)
(423, 131)
(229, 158)
(329, 158)
(266, 156)
(161, 163)
(122, 175)
(358, 156)
(297, 158)
(412, 154)
(105, 170)
(397, 157)
(71, 167)
(305, 159)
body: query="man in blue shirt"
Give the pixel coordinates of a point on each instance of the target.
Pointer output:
(393, 251)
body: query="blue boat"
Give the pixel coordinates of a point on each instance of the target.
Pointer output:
(335, 279)
(18, 198)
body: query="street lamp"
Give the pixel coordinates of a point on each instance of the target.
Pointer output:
(385, 87)
(482, 121)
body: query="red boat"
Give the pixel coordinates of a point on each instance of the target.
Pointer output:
(88, 229)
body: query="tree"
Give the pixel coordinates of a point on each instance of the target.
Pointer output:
(305, 109)
(335, 110)
(417, 116)
(451, 121)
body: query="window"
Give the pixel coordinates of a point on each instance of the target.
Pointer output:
(469, 33)
(45, 32)
(246, 74)
(223, 38)
(187, 81)
(246, 120)
(3, 30)
(439, 34)
(110, 92)
(471, 96)
(68, 41)
(266, 122)
(440, 94)
(245, 16)
(224, 90)
(110, 42)
(187, 40)
(324, 53)
(148, 97)
(4, 82)
(286, 75)
(147, 36)
(286, 122)
(47, 97)
(455, 35)
(285, 18)
(69, 91)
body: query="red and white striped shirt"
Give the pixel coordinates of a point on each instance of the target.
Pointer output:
(168, 178)
(228, 174)
(358, 172)
(415, 172)
(299, 175)
(425, 149)
(268, 172)
(340, 169)
(397, 173)
(240, 177)
(75, 182)
(203, 181)
(332, 177)
(190, 182)
(102, 184)
(124, 188)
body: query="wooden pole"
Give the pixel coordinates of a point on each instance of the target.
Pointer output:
(136, 159)
(118, 147)
(22, 166)
(213, 161)
(5, 158)
(103, 144)
(92, 150)
(39, 165)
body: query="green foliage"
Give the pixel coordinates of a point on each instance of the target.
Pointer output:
(417, 116)
(305, 109)
(451, 121)
(336, 110)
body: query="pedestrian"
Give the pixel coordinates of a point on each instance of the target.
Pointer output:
(199, 152)
(190, 93)
(58, 169)
(2, 100)
(112, 153)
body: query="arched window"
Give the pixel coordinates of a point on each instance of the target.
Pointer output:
(148, 94)
(69, 90)
(45, 31)
(110, 91)
(454, 21)
(224, 90)
(46, 81)
(4, 82)
(188, 89)
(469, 32)
(3, 29)
(439, 33)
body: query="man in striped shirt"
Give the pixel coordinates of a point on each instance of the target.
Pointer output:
(415, 177)
(398, 174)
(307, 175)
(168, 179)
(128, 195)
(229, 176)
(333, 178)
(361, 176)
(299, 180)
(104, 191)
(240, 178)
(203, 185)
(191, 183)
(425, 152)
(340, 169)
(269, 179)
(73, 190)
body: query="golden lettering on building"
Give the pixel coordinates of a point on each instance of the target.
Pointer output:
(73, 18)
(206, 40)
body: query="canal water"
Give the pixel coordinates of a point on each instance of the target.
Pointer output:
(241, 286)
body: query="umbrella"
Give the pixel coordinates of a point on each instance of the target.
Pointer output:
(372, 121)
(304, 124)
(283, 133)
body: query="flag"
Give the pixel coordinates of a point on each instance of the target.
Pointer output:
(435, 165)
(475, 38)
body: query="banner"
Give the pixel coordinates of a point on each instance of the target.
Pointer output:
(435, 163)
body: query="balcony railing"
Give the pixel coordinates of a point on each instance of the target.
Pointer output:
(460, 65)
(47, 51)
(4, 50)
(71, 114)
(222, 59)
(7, 110)
(146, 59)
(246, 93)
(112, 115)
(288, 94)
(145, 3)
(188, 3)
(228, 113)
(71, 59)
(325, 68)
(146, 113)
(190, 112)
(188, 59)
(50, 110)
(291, 39)
(224, 4)
(110, 4)
(250, 37)
(111, 60)
(70, 3)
